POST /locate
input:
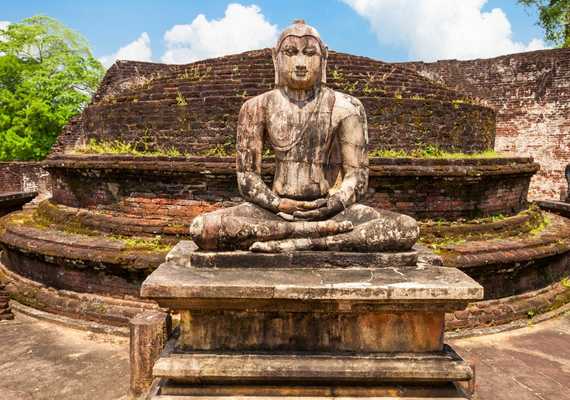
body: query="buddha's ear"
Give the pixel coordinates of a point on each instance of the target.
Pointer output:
(324, 59)
(275, 66)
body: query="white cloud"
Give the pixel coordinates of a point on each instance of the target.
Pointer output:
(442, 29)
(242, 28)
(4, 24)
(138, 50)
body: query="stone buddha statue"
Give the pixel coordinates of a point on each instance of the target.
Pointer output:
(319, 137)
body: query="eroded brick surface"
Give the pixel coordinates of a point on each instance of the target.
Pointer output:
(531, 93)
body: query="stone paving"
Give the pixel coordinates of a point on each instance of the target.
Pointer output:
(40, 360)
(531, 363)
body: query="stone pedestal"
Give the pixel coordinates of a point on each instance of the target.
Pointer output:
(313, 331)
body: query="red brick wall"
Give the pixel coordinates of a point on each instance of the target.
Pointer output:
(531, 93)
(195, 107)
(23, 177)
(160, 188)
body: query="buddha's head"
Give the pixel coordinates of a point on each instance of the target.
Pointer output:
(300, 57)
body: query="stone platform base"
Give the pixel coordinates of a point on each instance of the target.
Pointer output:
(173, 391)
(185, 253)
(317, 330)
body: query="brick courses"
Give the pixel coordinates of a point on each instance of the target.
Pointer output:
(194, 107)
(23, 176)
(531, 93)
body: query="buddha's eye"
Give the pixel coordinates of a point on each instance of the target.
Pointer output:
(290, 51)
(310, 51)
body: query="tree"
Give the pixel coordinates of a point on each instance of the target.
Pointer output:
(554, 17)
(47, 75)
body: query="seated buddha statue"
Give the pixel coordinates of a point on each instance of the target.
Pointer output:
(319, 137)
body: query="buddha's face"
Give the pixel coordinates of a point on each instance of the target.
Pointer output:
(299, 62)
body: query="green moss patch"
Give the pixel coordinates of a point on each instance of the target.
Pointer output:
(431, 152)
(95, 146)
(439, 235)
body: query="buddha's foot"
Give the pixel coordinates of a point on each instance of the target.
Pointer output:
(281, 246)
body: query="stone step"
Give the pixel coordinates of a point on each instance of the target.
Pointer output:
(445, 366)
(171, 390)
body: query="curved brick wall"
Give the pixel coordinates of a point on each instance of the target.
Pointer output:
(162, 187)
(194, 107)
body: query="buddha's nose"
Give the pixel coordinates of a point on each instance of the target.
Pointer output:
(301, 69)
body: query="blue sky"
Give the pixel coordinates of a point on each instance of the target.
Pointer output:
(390, 30)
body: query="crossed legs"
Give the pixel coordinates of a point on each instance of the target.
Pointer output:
(358, 228)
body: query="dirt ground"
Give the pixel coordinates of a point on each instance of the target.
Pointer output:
(40, 360)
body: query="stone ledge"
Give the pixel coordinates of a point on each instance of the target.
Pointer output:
(499, 312)
(553, 240)
(66, 248)
(116, 222)
(388, 285)
(468, 167)
(86, 308)
(556, 207)
(393, 367)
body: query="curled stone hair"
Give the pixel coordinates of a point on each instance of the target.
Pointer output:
(300, 29)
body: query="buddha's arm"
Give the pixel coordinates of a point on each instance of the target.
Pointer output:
(353, 140)
(249, 149)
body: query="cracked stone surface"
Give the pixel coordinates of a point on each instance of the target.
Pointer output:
(171, 280)
(41, 361)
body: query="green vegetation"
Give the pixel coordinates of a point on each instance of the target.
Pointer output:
(440, 234)
(47, 75)
(544, 222)
(154, 243)
(431, 151)
(120, 147)
(554, 18)
(180, 99)
(195, 73)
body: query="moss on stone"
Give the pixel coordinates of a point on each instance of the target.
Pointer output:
(95, 146)
(432, 152)
(155, 243)
(440, 240)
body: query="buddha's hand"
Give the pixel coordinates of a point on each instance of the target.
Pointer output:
(290, 206)
(329, 208)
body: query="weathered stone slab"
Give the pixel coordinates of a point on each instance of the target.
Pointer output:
(435, 391)
(389, 285)
(185, 253)
(310, 331)
(444, 366)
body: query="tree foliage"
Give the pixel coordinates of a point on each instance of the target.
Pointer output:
(554, 17)
(47, 75)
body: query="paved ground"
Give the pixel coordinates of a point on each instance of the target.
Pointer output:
(39, 360)
(531, 363)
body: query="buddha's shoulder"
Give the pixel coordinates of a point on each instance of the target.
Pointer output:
(261, 100)
(346, 105)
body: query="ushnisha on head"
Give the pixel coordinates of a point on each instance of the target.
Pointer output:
(300, 57)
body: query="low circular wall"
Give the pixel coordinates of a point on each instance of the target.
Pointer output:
(181, 188)
(69, 255)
